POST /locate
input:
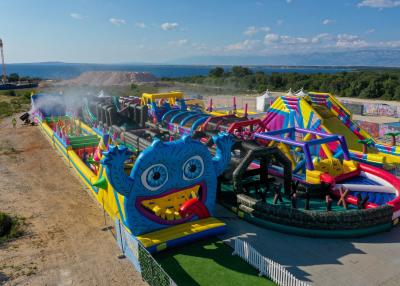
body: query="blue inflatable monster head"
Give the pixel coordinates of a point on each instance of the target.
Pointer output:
(165, 176)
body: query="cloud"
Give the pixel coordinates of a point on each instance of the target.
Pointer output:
(179, 43)
(252, 30)
(200, 46)
(274, 43)
(284, 39)
(370, 31)
(389, 44)
(327, 21)
(294, 40)
(271, 38)
(77, 16)
(321, 38)
(117, 22)
(380, 4)
(169, 26)
(246, 45)
(141, 25)
(350, 41)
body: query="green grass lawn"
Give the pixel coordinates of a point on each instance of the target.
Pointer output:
(209, 262)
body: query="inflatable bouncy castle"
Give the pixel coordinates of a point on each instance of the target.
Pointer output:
(169, 196)
(158, 164)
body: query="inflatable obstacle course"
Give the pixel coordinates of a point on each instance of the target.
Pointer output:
(164, 207)
(333, 195)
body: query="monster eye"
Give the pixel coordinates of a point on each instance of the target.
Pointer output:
(193, 168)
(154, 177)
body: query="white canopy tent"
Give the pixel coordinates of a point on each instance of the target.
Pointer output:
(301, 92)
(290, 92)
(263, 101)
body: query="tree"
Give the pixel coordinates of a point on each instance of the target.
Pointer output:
(239, 71)
(393, 136)
(216, 72)
(261, 88)
(366, 143)
(389, 86)
(396, 93)
(13, 77)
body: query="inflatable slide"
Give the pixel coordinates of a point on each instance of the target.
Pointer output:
(322, 112)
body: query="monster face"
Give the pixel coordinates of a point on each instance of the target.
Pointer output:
(166, 177)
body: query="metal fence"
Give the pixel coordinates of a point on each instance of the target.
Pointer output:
(151, 271)
(267, 267)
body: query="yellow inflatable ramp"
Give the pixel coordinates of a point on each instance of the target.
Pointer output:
(181, 234)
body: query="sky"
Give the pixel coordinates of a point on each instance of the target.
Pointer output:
(158, 31)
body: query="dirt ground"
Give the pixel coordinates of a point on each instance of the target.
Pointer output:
(64, 242)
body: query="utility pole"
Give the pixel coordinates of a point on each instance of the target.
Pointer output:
(3, 65)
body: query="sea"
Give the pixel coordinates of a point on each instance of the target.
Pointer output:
(72, 70)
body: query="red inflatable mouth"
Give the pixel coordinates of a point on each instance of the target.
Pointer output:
(194, 207)
(175, 206)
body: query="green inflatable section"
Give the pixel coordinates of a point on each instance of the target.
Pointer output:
(315, 232)
(84, 141)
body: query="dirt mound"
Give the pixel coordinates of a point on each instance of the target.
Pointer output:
(111, 78)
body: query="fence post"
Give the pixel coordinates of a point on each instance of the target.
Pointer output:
(235, 249)
(122, 242)
(262, 268)
(274, 271)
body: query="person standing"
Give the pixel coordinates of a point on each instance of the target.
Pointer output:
(14, 122)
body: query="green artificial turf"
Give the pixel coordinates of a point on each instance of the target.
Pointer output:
(209, 262)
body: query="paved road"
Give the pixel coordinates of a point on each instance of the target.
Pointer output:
(373, 260)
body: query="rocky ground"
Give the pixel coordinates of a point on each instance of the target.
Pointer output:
(64, 243)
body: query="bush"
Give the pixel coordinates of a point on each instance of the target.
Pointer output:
(5, 224)
(10, 227)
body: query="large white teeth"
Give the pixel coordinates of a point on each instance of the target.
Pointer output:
(168, 207)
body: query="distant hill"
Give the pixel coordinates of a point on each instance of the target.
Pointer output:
(381, 58)
(110, 78)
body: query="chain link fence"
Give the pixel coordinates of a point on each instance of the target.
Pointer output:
(151, 271)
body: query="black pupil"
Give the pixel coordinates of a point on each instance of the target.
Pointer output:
(192, 168)
(156, 176)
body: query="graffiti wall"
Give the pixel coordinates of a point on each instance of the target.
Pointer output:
(374, 109)
(370, 127)
(354, 108)
(378, 131)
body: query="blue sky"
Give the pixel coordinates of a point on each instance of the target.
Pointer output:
(157, 31)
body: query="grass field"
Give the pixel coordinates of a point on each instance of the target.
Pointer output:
(14, 101)
(209, 262)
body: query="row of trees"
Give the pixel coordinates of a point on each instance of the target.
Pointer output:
(14, 77)
(383, 84)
